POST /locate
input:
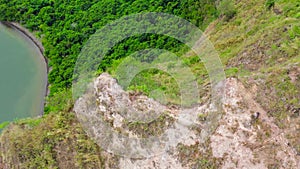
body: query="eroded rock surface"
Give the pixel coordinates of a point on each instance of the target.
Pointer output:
(247, 140)
(245, 137)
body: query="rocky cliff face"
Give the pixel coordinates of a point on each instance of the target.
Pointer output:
(258, 126)
(245, 137)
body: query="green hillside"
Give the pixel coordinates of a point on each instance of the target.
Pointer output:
(258, 42)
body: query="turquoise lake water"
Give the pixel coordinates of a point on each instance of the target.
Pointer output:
(22, 77)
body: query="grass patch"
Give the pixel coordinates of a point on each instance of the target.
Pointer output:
(153, 128)
(196, 158)
(4, 124)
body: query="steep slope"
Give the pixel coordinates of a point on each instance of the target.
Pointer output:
(260, 50)
(261, 47)
(245, 136)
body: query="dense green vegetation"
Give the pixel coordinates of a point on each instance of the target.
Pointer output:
(227, 9)
(65, 26)
(257, 45)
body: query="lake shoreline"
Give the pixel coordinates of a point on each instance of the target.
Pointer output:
(29, 36)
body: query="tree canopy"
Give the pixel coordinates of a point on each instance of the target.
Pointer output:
(65, 26)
